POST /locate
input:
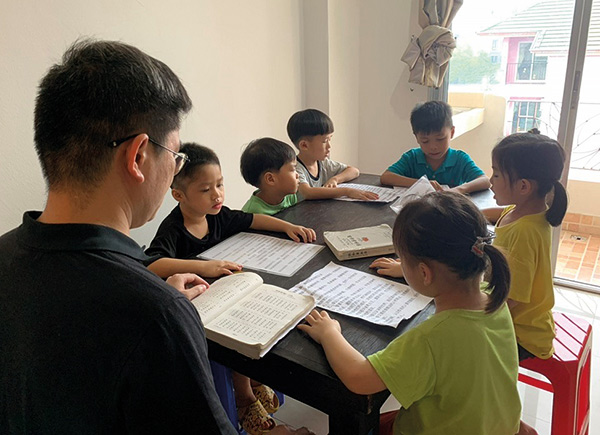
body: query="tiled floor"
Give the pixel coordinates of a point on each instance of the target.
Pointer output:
(537, 404)
(578, 257)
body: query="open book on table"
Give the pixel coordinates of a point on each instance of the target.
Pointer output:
(242, 313)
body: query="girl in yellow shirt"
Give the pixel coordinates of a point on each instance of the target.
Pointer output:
(527, 168)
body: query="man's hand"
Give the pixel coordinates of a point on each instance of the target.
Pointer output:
(189, 284)
(298, 233)
(361, 194)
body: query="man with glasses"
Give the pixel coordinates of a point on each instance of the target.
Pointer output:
(91, 341)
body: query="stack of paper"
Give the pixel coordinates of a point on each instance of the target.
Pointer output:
(359, 294)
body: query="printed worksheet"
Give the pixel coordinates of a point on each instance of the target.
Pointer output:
(386, 194)
(266, 253)
(406, 194)
(359, 294)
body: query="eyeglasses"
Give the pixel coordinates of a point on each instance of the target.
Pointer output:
(180, 158)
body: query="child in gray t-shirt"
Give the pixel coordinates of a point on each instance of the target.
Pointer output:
(311, 131)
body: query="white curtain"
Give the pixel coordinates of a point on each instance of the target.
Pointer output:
(428, 55)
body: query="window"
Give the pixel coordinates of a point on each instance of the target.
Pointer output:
(526, 115)
(530, 66)
(495, 59)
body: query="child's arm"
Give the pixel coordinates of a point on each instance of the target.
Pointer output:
(353, 369)
(165, 267)
(492, 214)
(295, 232)
(391, 179)
(479, 183)
(308, 192)
(350, 173)
(388, 267)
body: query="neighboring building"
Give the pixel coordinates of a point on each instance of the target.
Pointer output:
(532, 48)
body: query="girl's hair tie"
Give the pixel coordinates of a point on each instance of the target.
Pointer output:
(480, 243)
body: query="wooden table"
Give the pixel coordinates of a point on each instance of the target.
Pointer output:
(297, 365)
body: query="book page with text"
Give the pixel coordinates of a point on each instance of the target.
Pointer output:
(223, 293)
(262, 315)
(362, 295)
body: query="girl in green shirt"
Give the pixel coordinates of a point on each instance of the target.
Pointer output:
(457, 371)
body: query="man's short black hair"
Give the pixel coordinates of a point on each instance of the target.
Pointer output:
(263, 155)
(101, 91)
(431, 117)
(308, 123)
(198, 156)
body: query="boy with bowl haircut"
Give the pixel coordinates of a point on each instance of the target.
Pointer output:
(311, 131)
(201, 221)
(270, 165)
(433, 128)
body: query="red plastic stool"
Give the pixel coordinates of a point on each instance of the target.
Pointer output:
(569, 374)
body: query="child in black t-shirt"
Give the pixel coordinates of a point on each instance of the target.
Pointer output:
(199, 222)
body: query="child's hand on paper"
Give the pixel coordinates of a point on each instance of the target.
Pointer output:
(362, 194)
(388, 267)
(216, 268)
(189, 284)
(320, 326)
(299, 233)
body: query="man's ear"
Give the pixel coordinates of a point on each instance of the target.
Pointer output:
(269, 178)
(136, 155)
(452, 132)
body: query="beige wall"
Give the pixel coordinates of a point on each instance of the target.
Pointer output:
(240, 61)
(247, 66)
(478, 143)
(385, 96)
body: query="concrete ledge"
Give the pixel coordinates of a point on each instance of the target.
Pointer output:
(466, 119)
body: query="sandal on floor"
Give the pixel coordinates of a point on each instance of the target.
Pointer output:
(267, 397)
(254, 418)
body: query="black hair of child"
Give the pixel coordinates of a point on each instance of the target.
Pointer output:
(308, 123)
(431, 117)
(263, 155)
(537, 158)
(198, 156)
(444, 227)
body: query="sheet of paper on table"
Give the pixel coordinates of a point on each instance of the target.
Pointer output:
(386, 194)
(421, 188)
(359, 294)
(266, 253)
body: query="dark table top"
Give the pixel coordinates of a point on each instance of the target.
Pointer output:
(297, 366)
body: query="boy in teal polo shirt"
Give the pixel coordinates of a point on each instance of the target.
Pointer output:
(432, 126)
(270, 165)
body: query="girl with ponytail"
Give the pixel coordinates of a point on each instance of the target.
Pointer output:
(457, 371)
(527, 168)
